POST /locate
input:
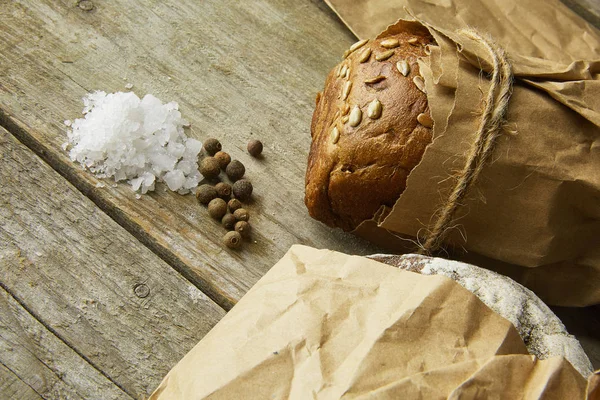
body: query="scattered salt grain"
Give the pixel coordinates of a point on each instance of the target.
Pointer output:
(139, 140)
(195, 295)
(129, 86)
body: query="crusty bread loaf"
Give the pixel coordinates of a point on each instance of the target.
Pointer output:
(369, 129)
(541, 330)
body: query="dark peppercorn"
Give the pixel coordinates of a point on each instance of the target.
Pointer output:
(223, 158)
(235, 170)
(223, 190)
(206, 193)
(217, 208)
(232, 239)
(209, 167)
(211, 146)
(241, 214)
(242, 189)
(243, 228)
(234, 204)
(255, 147)
(228, 221)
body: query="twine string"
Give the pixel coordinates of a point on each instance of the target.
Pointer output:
(490, 125)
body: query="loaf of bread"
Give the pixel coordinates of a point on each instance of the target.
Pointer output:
(370, 128)
(543, 333)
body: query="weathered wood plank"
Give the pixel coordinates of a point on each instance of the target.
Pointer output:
(93, 285)
(11, 387)
(587, 9)
(43, 362)
(237, 69)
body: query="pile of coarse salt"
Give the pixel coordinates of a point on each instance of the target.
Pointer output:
(142, 141)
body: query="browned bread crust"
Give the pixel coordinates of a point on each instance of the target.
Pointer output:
(360, 155)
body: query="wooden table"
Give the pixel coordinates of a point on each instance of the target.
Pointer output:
(102, 293)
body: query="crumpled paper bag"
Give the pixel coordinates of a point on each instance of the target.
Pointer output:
(534, 213)
(325, 325)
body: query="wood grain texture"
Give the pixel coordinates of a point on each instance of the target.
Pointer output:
(43, 363)
(12, 387)
(587, 9)
(79, 274)
(239, 70)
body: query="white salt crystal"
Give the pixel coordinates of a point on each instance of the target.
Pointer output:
(148, 182)
(163, 162)
(136, 183)
(186, 166)
(174, 179)
(175, 149)
(139, 140)
(192, 147)
(67, 122)
(129, 86)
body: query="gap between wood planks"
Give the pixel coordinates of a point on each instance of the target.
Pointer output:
(265, 96)
(587, 9)
(20, 133)
(41, 321)
(69, 266)
(8, 379)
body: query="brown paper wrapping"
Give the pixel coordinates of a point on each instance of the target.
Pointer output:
(324, 325)
(537, 204)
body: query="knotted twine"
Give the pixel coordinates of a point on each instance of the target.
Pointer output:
(490, 126)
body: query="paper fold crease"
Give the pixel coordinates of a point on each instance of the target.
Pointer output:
(325, 325)
(534, 212)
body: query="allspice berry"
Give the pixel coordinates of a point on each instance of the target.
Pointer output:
(234, 204)
(243, 228)
(255, 147)
(241, 214)
(206, 193)
(209, 167)
(229, 221)
(232, 239)
(242, 189)
(223, 158)
(217, 208)
(212, 146)
(235, 170)
(223, 190)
